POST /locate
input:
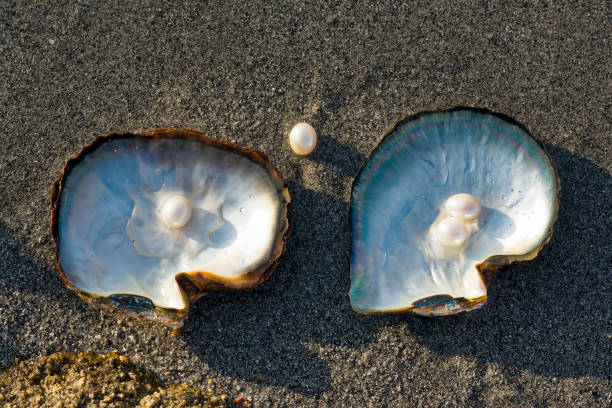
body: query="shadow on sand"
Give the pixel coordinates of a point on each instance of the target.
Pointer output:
(551, 316)
(548, 316)
(261, 335)
(22, 274)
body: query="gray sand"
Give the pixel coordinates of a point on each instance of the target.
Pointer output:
(70, 71)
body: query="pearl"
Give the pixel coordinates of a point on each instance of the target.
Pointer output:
(452, 232)
(463, 206)
(303, 139)
(175, 211)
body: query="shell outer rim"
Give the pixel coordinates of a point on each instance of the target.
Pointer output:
(491, 266)
(201, 283)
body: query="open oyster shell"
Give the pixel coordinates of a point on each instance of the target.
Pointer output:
(412, 248)
(147, 223)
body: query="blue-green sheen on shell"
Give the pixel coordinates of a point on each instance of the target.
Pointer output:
(401, 193)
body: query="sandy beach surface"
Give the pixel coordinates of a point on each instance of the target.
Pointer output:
(245, 73)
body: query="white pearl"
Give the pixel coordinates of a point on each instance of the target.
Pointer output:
(463, 206)
(303, 139)
(175, 211)
(452, 232)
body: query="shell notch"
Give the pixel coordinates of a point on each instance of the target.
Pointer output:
(444, 199)
(147, 223)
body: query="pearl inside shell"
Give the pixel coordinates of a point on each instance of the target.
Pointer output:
(463, 206)
(452, 232)
(175, 211)
(303, 139)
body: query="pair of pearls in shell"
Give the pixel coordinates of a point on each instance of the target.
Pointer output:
(462, 209)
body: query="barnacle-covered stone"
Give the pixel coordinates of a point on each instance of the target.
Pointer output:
(87, 379)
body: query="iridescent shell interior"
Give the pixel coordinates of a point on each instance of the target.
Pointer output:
(111, 237)
(400, 195)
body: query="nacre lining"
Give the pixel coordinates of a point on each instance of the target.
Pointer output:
(454, 169)
(136, 215)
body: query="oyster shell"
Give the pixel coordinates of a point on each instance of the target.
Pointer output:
(444, 198)
(147, 223)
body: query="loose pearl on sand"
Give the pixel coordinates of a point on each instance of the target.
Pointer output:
(463, 206)
(303, 138)
(452, 232)
(175, 211)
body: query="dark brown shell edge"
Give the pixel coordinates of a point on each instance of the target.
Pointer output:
(197, 283)
(487, 269)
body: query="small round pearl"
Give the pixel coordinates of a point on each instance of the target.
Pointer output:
(463, 206)
(175, 211)
(452, 232)
(303, 139)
